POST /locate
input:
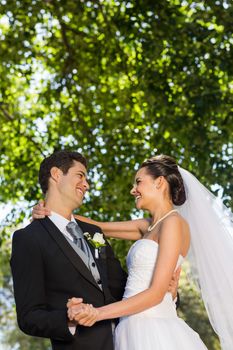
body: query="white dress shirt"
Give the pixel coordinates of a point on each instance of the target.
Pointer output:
(61, 223)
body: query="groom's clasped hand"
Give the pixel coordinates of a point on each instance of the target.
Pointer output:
(82, 314)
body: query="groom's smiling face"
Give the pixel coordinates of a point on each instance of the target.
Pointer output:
(73, 185)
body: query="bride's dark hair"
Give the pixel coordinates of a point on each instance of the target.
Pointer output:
(166, 166)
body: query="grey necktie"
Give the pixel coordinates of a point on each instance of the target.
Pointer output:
(77, 235)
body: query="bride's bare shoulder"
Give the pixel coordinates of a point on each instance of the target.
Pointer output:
(186, 236)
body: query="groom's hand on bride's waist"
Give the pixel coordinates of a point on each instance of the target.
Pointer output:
(173, 286)
(82, 314)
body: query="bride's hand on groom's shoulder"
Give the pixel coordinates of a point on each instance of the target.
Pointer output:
(82, 314)
(39, 211)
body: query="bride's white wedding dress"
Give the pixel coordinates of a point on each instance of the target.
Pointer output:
(157, 328)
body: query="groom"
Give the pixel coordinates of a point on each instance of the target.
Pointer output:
(49, 266)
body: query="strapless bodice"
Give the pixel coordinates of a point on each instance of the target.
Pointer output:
(159, 327)
(141, 261)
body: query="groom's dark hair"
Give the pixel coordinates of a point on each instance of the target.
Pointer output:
(63, 160)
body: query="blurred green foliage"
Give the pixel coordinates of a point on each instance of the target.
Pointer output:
(119, 81)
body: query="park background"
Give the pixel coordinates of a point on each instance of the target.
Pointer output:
(119, 81)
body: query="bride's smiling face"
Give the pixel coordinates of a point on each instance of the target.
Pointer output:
(144, 189)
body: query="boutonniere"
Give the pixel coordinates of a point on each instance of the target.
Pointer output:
(97, 241)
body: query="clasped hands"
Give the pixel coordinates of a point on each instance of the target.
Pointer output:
(80, 313)
(86, 315)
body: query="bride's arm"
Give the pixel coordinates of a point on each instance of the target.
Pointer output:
(133, 229)
(169, 249)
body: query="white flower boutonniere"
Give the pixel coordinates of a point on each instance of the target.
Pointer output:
(97, 241)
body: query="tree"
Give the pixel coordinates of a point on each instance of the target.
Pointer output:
(119, 81)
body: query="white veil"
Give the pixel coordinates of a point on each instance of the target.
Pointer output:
(211, 254)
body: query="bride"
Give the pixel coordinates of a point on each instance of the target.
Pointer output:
(148, 318)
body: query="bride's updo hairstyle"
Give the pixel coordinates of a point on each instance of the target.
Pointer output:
(165, 166)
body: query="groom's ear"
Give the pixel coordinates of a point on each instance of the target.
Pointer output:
(55, 173)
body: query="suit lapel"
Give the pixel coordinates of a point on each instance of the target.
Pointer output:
(101, 262)
(70, 253)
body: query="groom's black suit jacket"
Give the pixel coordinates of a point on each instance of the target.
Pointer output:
(47, 271)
